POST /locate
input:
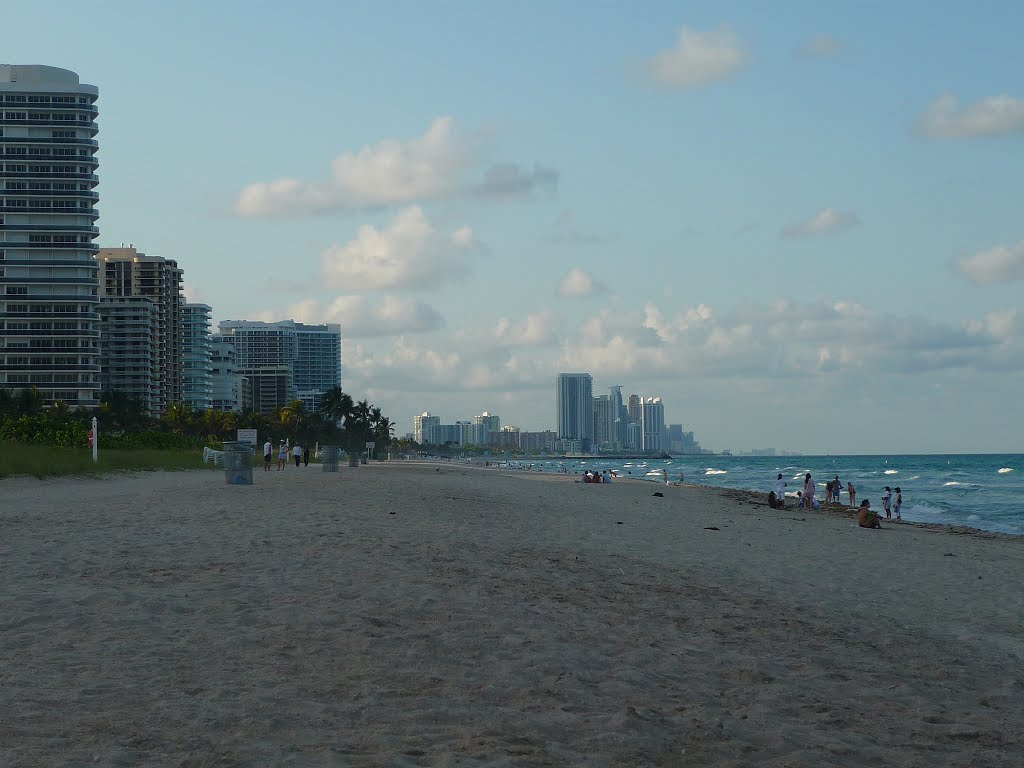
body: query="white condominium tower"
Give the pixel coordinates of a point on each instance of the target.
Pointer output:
(49, 327)
(575, 408)
(652, 424)
(285, 361)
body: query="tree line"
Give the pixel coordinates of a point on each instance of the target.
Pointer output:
(124, 423)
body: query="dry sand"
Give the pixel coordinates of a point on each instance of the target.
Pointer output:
(409, 615)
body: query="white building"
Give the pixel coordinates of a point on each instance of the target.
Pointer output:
(652, 425)
(425, 428)
(574, 408)
(49, 324)
(227, 386)
(483, 425)
(286, 361)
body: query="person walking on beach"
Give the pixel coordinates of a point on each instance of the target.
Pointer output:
(282, 456)
(853, 493)
(837, 487)
(305, 456)
(664, 476)
(780, 492)
(268, 454)
(809, 491)
(899, 503)
(297, 454)
(887, 502)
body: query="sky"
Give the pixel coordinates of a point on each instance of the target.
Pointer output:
(800, 224)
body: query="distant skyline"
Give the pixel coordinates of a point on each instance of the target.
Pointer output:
(797, 223)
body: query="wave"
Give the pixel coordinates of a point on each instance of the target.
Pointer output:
(710, 471)
(892, 471)
(1005, 470)
(954, 482)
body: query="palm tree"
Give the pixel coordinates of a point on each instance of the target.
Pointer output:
(292, 415)
(178, 416)
(336, 405)
(383, 431)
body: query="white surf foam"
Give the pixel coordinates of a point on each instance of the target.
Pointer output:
(1004, 470)
(892, 471)
(716, 472)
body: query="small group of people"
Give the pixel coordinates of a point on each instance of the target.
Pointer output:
(835, 487)
(868, 518)
(593, 476)
(298, 452)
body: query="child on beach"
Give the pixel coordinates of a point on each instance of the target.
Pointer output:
(899, 503)
(887, 502)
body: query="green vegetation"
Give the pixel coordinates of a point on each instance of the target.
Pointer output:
(49, 461)
(45, 442)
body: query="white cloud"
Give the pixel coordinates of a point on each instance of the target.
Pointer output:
(579, 283)
(822, 46)
(824, 221)
(994, 116)
(391, 172)
(699, 58)
(1001, 264)
(362, 318)
(409, 254)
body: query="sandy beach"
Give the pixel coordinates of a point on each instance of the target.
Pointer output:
(419, 615)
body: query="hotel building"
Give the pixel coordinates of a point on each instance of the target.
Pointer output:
(49, 325)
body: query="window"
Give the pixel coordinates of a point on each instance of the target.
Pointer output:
(16, 185)
(16, 168)
(35, 98)
(15, 115)
(17, 290)
(63, 134)
(15, 151)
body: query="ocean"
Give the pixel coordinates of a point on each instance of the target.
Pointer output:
(980, 490)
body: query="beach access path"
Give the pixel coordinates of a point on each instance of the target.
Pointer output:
(404, 614)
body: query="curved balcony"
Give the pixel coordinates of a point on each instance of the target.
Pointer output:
(55, 193)
(78, 141)
(54, 228)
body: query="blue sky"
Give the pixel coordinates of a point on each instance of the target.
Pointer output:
(798, 223)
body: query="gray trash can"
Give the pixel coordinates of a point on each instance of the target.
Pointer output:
(237, 464)
(329, 458)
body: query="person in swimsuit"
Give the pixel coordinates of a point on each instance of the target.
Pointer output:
(866, 518)
(899, 503)
(809, 491)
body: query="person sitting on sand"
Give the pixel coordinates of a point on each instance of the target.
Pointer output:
(866, 518)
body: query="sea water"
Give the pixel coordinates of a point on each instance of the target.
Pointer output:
(981, 490)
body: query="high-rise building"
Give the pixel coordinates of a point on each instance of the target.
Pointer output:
(285, 361)
(229, 388)
(620, 418)
(574, 408)
(317, 362)
(603, 422)
(425, 428)
(196, 373)
(129, 340)
(49, 324)
(652, 424)
(127, 272)
(483, 425)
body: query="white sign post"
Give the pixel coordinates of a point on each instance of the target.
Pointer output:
(95, 438)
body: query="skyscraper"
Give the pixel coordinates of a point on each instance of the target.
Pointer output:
(317, 362)
(196, 366)
(652, 424)
(128, 273)
(49, 325)
(574, 408)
